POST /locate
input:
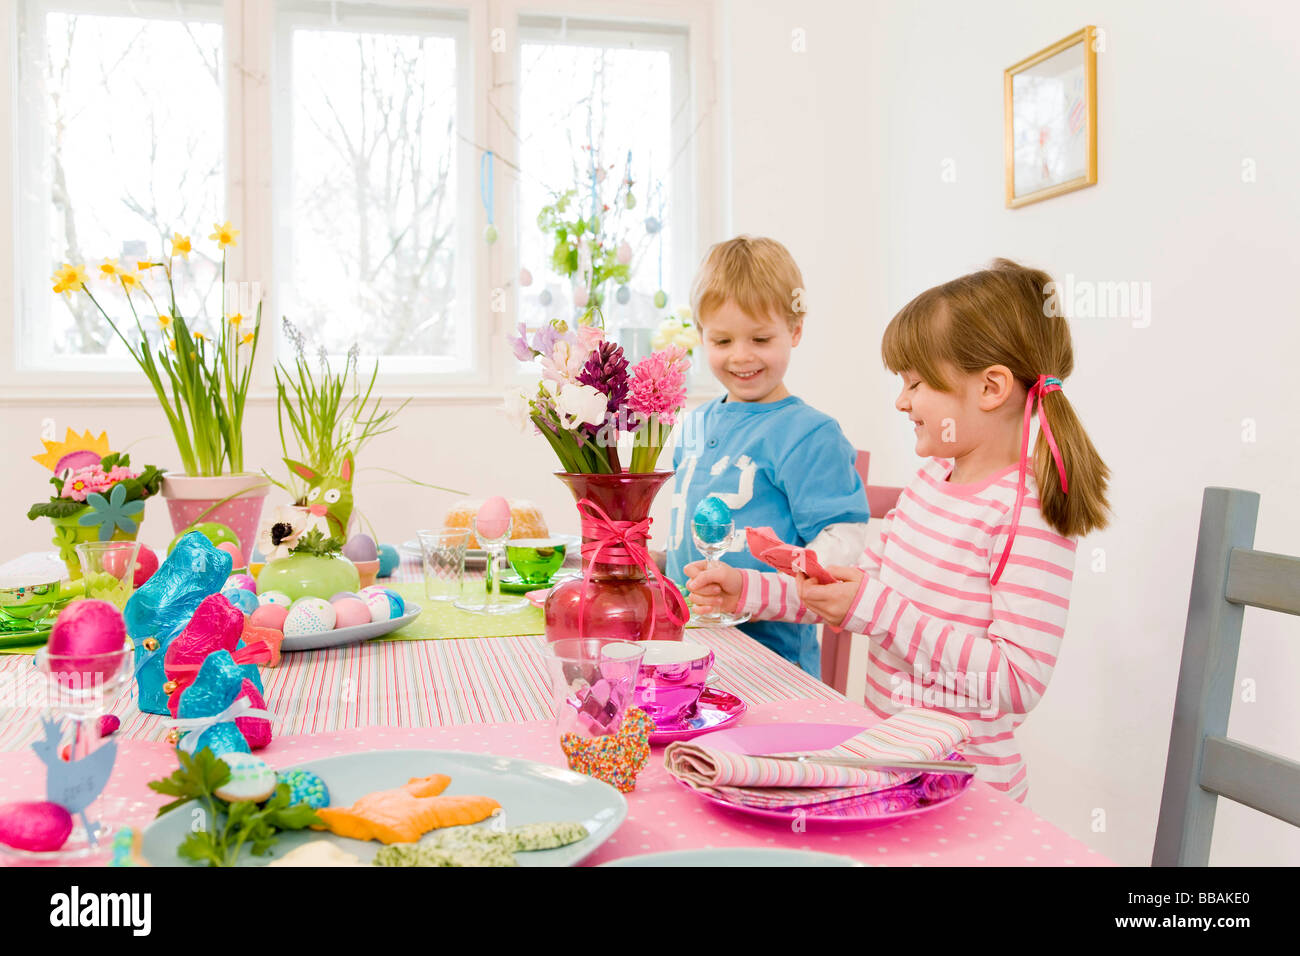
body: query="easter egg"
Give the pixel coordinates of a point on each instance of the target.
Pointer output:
(214, 531)
(349, 612)
(360, 547)
(38, 826)
(493, 519)
(544, 297)
(623, 295)
(84, 629)
(146, 563)
(661, 299)
(306, 787)
(630, 201)
(250, 779)
(309, 615)
(389, 559)
(274, 597)
(525, 278)
(490, 234)
(624, 252)
(115, 562)
(236, 556)
(712, 521)
(384, 604)
(245, 601)
(269, 615)
(653, 225)
(109, 723)
(580, 296)
(344, 594)
(245, 582)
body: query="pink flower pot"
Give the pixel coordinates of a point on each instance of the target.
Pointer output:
(613, 599)
(192, 500)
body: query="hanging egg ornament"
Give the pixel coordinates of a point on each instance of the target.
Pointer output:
(544, 297)
(624, 252)
(652, 225)
(630, 201)
(600, 174)
(525, 277)
(661, 299)
(490, 234)
(580, 296)
(623, 295)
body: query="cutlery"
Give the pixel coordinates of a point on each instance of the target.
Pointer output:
(861, 763)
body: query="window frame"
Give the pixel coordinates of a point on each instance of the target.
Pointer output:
(251, 36)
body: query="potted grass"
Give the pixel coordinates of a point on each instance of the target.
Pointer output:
(201, 383)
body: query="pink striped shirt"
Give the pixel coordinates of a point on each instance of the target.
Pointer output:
(939, 635)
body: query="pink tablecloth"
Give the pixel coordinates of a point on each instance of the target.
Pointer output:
(981, 828)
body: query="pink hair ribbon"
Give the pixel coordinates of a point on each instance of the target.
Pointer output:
(622, 542)
(1039, 389)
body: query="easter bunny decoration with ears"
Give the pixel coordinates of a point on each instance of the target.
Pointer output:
(328, 496)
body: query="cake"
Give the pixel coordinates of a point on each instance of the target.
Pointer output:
(526, 519)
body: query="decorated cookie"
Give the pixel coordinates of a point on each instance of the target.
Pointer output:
(306, 787)
(250, 779)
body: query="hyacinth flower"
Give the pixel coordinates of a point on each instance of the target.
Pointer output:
(606, 372)
(656, 394)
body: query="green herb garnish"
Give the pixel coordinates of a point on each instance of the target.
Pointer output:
(228, 825)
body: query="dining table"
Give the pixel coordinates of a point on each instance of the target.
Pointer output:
(492, 695)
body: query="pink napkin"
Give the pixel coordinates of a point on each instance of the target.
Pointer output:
(786, 558)
(912, 734)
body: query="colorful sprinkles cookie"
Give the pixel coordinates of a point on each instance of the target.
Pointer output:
(306, 787)
(614, 758)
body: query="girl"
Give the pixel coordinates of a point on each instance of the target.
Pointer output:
(964, 598)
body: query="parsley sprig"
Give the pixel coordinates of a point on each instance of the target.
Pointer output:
(229, 825)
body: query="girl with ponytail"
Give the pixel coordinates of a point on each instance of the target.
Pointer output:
(964, 597)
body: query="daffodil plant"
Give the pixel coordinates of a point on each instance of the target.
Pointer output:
(201, 382)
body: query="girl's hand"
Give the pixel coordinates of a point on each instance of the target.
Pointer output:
(714, 588)
(831, 601)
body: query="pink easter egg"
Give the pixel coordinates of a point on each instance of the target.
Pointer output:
(146, 563)
(493, 519)
(115, 562)
(269, 615)
(236, 556)
(84, 629)
(39, 827)
(245, 582)
(108, 724)
(350, 612)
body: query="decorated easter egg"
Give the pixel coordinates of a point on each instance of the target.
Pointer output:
(236, 556)
(86, 628)
(38, 826)
(306, 787)
(246, 601)
(389, 559)
(269, 615)
(360, 547)
(214, 531)
(493, 519)
(274, 597)
(712, 521)
(243, 581)
(146, 563)
(250, 778)
(384, 604)
(309, 615)
(349, 612)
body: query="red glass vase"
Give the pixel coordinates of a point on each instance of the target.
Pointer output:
(614, 598)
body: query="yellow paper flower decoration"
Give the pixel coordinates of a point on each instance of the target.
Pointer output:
(225, 234)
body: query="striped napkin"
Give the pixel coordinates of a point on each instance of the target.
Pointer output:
(912, 734)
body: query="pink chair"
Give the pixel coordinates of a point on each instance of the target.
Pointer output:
(837, 644)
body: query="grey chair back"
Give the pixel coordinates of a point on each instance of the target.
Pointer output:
(1203, 763)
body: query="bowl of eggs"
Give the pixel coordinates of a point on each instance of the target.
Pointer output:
(347, 617)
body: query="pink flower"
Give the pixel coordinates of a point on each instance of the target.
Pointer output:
(94, 479)
(565, 363)
(589, 336)
(659, 385)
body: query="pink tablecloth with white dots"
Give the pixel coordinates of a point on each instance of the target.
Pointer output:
(980, 828)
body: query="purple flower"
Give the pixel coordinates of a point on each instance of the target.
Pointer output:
(606, 371)
(519, 343)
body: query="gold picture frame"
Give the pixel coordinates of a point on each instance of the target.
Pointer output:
(1050, 118)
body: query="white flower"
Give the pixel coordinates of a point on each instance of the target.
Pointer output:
(578, 404)
(684, 313)
(518, 410)
(281, 532)
(564, 364)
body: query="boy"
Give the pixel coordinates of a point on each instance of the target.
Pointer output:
(773, 459)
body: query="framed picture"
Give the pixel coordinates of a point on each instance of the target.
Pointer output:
(1050, 102)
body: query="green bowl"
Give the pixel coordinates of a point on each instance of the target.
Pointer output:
(29, 603)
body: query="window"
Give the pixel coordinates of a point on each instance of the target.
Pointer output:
(121, 141)
(371, 220)
(599, 105)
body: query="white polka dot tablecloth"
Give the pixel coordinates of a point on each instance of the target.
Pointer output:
(979, 828)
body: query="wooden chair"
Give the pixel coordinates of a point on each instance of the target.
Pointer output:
(1203, 764)
(837, 645)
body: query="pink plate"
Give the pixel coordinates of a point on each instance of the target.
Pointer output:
(927, 792)
(714, 710)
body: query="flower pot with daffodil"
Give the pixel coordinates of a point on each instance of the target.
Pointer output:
(201, 381)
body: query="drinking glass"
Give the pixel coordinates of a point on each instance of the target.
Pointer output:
(493, 603)
(444, 562)
(714, 540)
(593, 683)
(108, 568)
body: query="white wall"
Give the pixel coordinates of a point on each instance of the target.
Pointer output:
(838, 152)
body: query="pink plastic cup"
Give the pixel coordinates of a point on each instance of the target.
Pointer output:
(673, 675)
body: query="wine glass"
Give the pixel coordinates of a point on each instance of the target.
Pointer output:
(714, 531)
(496, 550)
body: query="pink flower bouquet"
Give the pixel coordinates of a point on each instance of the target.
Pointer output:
(587, 397)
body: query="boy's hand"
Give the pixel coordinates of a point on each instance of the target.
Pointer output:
(714, 588)
(831, 601)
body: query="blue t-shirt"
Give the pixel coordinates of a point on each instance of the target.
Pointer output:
(782, 465)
